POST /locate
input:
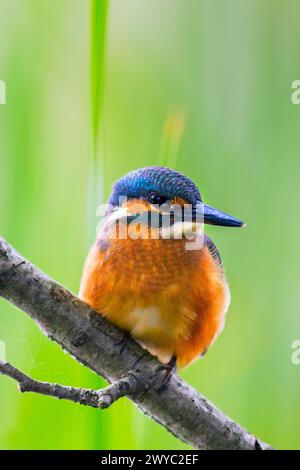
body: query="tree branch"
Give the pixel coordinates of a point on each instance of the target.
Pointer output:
(92, 340)
(95, 398)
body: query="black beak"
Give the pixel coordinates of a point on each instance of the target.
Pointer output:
(213, 216)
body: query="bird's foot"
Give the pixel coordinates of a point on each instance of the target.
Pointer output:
(123, 342)
(170, 369)
(138, 360)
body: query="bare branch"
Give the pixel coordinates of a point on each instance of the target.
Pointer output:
(92, 340)
(95, 398)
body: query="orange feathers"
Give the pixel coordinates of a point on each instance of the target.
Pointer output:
(171, 300)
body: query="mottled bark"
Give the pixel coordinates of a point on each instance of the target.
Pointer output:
(93, 341)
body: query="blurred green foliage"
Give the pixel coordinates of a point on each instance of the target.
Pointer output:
(203, 86)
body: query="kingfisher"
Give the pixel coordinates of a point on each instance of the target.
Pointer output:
(161, 282)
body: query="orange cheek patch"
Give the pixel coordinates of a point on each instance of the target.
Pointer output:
(136, 205)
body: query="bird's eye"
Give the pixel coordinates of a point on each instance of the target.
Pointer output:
(157, 199)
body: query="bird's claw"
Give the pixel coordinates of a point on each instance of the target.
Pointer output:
(123, 342)
(170, 368)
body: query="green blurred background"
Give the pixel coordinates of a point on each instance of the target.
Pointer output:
(200, 85)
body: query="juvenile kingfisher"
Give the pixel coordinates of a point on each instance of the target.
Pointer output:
(169, 295)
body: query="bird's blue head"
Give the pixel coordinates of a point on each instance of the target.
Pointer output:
(158, 186)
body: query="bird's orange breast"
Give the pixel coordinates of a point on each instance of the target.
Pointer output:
(172, 300)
